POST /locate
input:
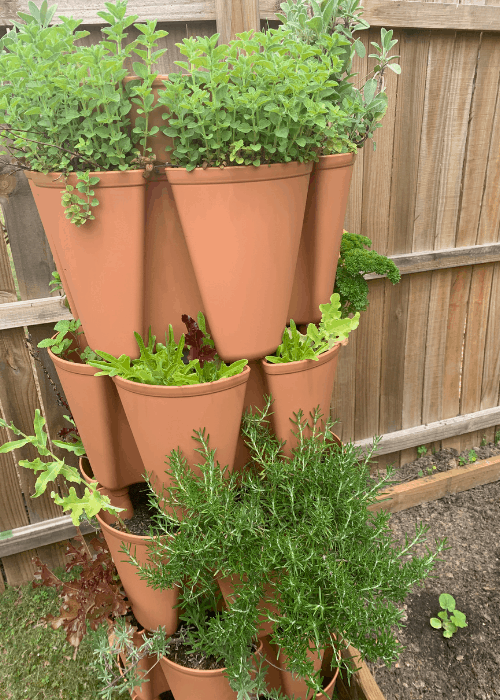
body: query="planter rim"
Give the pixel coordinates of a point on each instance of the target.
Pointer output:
(73, 367)
(330, 686)
(199, 672)
(178, 392)
(88, 479)
(300, 365)
(238, 173)
(125, 536)
(108, 178)
(336, 160)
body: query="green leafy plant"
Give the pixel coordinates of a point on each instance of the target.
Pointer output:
(422, 450)
(462, 461)
(162, 364)
(451, 624)
(63, 106)
(297, 533)
(50, 467)
(497, 437)
(264, 98)
(311, 21)
(428, 472)
(354, 262)
(472, 456)
(64, 344)
(332, 329)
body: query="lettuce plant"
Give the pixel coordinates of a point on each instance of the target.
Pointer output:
(264, 98)
(297, 532)
(332, 329)
(67, 333)
(163, 364)
(64, 107)
(356, 261)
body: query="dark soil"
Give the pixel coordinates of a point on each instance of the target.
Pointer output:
(182, 653)
(467, 666)
(443, 461)
(143, 518)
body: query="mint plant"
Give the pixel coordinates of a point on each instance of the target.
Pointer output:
(53, 467)
(297, 533)
(421, 450)
(354, 262)
(451, 624)
(63, 106)
(162, 364)
(67, 333)
(332, 329)
(260, 99)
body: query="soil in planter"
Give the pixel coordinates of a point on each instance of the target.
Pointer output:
(466, 666)
(443, 460)
(180, 652)
(143, 518)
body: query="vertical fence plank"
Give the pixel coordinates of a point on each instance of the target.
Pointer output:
(235, 16)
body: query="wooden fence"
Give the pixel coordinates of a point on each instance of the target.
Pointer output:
(423, 367)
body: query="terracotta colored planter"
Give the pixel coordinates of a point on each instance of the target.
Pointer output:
(292, 685)
(102, 423)
(151, 608)
(102, 261)
(192, 684)
(162, 419)
(148, 667)
(254, 396)
(242, 227)
(170, 287)
(228, 584)
(321, 237)
(300, 385)
(118, 497)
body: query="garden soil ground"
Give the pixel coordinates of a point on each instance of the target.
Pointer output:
(467, 666)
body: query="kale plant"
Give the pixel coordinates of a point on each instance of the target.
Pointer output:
(63, 106)
(264, 98)
(297, 532)
(332, 329)
(356, 261)
(162, 364)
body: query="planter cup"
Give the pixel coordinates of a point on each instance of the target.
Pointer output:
(151, 608)
(162, 419)
(192, 684)
(321, 237)
(300, 385)
(242, 227)
(102, 424)
(118, 497)
(102, 262)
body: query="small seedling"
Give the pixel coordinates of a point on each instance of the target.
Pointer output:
(428, 472)
(462, 461)
(449, 625)
(483, 441)
(472, 456)
(497, 437)
(422, 450)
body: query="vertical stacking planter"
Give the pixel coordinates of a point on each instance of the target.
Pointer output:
(102, 424)
(242, 227)
(102, 261)
(300, 385)
(162, 419)
(321, 236)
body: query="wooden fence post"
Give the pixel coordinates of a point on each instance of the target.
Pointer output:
(235, 16)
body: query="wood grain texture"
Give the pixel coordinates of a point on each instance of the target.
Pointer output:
(33, 312)
(362, 685)
(430, 488)
(36, 535)
(490, 384)
(344, 391)
(235, 16)
(425, 434)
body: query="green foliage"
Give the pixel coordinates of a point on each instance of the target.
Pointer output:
(472, 456)
(63, 105)
(297, 532)
(484, 442)
(365, 101)
(422, 450)
(64, 342)
(162, 364)
(497, 437)
(451, 624)
(428, 472)
(356, 261)
(51, 467)
(264, 98)
(332, 329)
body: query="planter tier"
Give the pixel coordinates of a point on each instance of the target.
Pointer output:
(162, 419)
(102, 261)
(321, 237)
(242, 227)
(193, 684)
(170, 287)
(118, 497)
(102, 424)
(152, 608)
(300, 385)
